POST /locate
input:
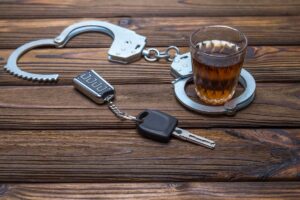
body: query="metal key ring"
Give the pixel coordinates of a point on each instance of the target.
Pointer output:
(229, 108)
(127, 46)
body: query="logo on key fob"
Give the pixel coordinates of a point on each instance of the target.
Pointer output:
(94, 86)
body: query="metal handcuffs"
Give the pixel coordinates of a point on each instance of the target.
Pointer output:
(181, 68)
(128, 47)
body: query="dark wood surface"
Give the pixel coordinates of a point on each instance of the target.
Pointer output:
(56, 144)
(119, 8)
(267, 63)
(160, 31)
(62, 107)
(164, 191)
(114, 155)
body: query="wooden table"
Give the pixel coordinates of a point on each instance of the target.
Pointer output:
(56, 144)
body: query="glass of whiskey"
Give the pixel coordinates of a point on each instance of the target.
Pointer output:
(218, 54)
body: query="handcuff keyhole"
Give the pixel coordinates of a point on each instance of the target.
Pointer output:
(184, 57)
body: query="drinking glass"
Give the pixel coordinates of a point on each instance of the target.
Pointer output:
(218, 54)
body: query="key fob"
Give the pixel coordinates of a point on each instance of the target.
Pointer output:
(94, 86)
(156, 125)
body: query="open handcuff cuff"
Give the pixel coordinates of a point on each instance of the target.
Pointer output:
(128, 47)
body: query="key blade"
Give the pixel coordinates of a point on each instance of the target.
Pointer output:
(196, 139)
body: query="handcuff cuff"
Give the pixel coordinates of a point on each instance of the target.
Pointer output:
(128, 47)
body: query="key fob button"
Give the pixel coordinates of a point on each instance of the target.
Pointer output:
(156, 125)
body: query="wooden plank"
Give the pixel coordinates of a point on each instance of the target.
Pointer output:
(162, 191)
(159, 31)
(118, 8)
(62, 107)
(266, 63)
(123, 155)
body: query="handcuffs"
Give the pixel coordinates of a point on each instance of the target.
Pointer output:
(128, 47)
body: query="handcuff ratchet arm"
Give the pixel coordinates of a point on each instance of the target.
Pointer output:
(12, 65)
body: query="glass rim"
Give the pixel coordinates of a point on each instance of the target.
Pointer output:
(219, 26)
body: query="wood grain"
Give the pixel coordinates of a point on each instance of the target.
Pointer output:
(123, 155)
(158, 191)
(118, 8)
(160, 31)
(266, 63)
(52, 134)
(62, 107)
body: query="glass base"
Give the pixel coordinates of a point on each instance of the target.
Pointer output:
(215, 102)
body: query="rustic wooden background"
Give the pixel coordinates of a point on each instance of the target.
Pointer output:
(56, 144)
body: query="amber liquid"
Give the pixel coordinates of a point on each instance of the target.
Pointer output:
(215, 80)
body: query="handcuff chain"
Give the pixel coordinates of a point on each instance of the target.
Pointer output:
(120, 114)
(153, 54)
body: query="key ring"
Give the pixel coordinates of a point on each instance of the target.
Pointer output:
(120, 114)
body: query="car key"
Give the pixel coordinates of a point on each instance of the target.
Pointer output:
(160, 126)
(153, 124)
